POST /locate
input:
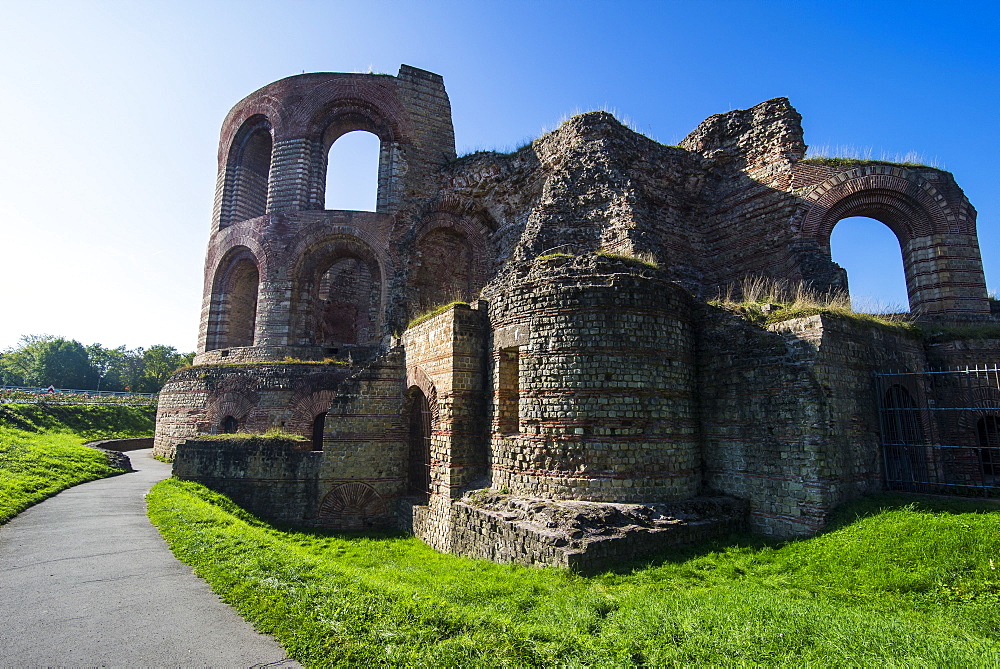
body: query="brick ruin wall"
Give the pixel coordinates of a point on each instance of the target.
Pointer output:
(589, 367)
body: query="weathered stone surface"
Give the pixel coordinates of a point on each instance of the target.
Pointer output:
(582, 371)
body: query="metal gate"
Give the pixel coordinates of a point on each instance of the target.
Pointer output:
(940, 430)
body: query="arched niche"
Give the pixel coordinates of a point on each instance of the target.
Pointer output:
(248, 170)
(449, 261)
(443, 270)
(233, 312)
(418, 420)
(339, 295)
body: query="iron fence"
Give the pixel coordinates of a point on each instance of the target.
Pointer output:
(940, 430)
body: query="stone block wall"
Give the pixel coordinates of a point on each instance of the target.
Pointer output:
(445, 359)
(789, 414)
(276, 479)
(363, 466)
(260, 397)
(582, 536)
(604, 351)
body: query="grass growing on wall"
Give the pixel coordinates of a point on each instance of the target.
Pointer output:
(42, 452)
(767, 301)
(902, 585)
(431, 313)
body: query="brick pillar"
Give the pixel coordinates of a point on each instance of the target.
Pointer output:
(291, 186)
(944, 275)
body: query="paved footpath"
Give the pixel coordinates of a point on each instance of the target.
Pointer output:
(86, 580)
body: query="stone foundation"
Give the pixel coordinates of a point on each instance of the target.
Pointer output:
(574, 534)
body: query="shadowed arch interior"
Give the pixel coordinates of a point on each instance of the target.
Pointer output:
(418, 481)
(338, 294)
(233, 315)
(444, 269)
(247, 172)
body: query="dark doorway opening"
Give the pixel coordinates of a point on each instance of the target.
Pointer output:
(419, 474)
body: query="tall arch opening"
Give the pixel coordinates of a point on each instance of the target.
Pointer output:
(249, 169)
(233, 315)
(318, 425)
(352, 172)
(418, 480)
(872, 256)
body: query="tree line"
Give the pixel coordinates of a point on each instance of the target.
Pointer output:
(43, 360)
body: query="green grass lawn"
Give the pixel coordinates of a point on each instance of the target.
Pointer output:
(898, 583)
(41, 449)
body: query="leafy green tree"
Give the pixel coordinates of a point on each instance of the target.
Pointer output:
(131, 369)
(102, 360)
(40, 360)
(160, 362)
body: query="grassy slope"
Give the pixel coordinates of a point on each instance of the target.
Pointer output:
(41, 449)
(906, 586)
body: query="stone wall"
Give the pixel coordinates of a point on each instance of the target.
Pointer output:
(789, 415)
(276, 479)
(364, 460)
(582, 536)
(259, 397)
(604, 356)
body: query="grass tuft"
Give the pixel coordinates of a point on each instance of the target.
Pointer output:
(274, 434)
(898, 582)
(766, 301)
(427, 315)
(644, 259)
(842, 156)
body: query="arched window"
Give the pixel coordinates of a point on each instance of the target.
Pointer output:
(233, 315)
(248, 171)
(988, 438)
(419, 441)
(870, 253)
(230, 425)
(319, 422)
(352, 172)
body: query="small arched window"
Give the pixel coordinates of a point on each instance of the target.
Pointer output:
(352, 172)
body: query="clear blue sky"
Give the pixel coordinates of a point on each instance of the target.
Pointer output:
(112, 112)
